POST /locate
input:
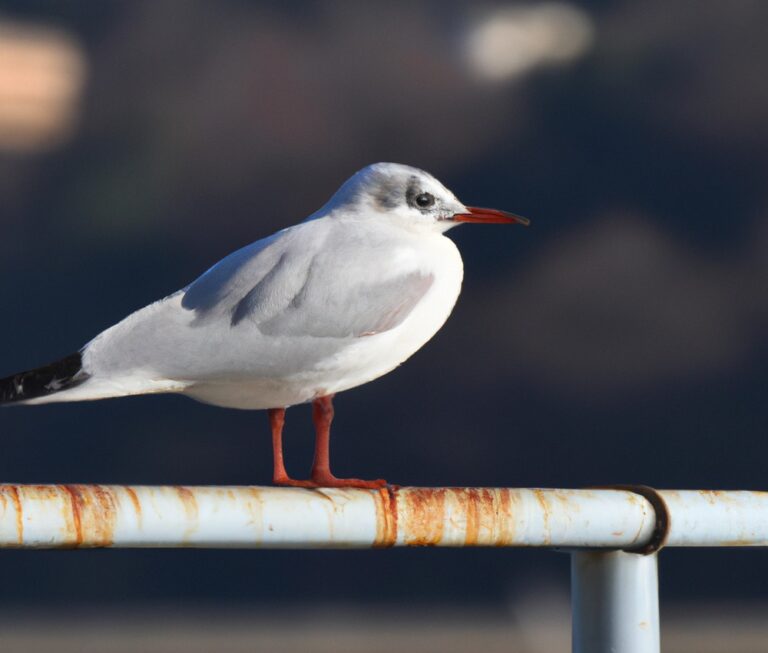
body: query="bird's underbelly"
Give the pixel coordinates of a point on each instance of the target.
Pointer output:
(353, 362)
(351, 367)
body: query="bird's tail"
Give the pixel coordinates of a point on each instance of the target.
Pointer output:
(44, 382)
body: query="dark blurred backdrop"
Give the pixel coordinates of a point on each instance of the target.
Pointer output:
(620, 339)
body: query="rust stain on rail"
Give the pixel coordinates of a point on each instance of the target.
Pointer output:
(506, 521)
(188, 500)
(489, 516)
(92, 515)
(423, 516)
(473, 513)
(545, 513)
(435, 516)
(191, 510)
(76, 513)
(14, 492)
(715, 497)
(136, 503)
(386, 517)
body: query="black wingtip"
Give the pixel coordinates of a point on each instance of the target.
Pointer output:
(65, 373)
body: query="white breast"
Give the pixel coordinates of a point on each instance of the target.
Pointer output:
(370, 357)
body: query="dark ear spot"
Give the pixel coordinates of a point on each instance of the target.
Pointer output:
(389, 195)
(388, 200)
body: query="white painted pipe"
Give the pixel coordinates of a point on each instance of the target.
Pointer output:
(42, 516)
(49, 516)
(614, 602)
(717, 518)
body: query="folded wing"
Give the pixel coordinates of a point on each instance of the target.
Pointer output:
(292, 289)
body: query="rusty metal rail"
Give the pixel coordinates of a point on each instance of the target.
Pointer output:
(70, 516)
(613, 535)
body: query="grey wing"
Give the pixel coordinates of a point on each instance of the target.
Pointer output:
(289, 288)
(217, 290)
(341, 307)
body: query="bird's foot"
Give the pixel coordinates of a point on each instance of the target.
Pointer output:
(329, 480)
(332, 481)
(287, 481)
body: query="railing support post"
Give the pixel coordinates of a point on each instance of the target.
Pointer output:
(615, 602)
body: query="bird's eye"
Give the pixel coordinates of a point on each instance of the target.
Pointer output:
(424, 200)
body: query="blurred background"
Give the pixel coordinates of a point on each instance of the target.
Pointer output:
(620, 339)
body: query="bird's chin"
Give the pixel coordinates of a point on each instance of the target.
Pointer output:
(444, 224)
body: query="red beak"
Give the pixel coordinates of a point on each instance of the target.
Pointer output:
(490, 216)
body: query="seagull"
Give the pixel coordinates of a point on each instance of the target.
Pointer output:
(331, 303)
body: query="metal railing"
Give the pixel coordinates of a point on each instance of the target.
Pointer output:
(613, 535)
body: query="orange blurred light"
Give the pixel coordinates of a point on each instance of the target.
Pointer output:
(42, 75)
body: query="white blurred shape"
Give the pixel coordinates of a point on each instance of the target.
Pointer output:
(42, 73)
(512, 41)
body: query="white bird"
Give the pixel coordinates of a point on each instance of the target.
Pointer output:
(331, 303)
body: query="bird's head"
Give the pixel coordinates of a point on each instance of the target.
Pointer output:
(407, 196)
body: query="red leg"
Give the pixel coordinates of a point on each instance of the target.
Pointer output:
(276, 422)
(322, 416)
(279, 475)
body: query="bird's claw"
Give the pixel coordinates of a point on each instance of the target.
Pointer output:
(330, 481)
